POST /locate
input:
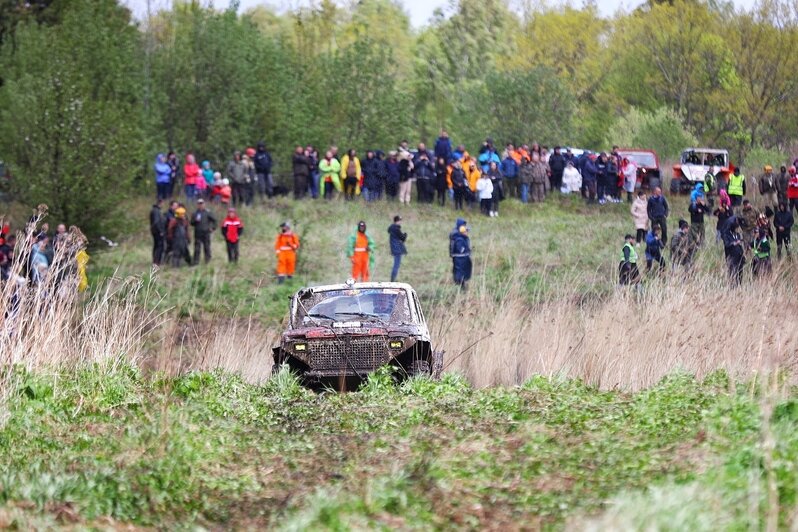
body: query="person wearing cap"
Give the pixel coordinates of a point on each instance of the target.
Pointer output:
(396, 239)
(460, 252)
(177, 233)
(792, 189)
(286, 246)
(204, 223)
(232, 228)
(760, 265)
(736, 188)
(682, 247)
(748, 222)
(360, 248)
(767, 187)
(628, 273)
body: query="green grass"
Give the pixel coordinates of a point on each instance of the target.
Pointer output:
(207, 449)
(558, 242)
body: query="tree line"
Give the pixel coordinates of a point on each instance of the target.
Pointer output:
(88, 95)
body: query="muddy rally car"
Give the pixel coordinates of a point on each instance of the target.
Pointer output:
(337, 334)
(695, 164)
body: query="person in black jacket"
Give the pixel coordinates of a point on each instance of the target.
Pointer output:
(658, 211)
(397, 241)
(301, 166)
(441, 187)
(204, 223)
(733, 249)
(557, 167)
(783, 221)
(373, 168)
(263, 171)
(158, 230)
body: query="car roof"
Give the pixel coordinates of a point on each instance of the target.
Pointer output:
(706, 150)
(358, 286)
(635, 150)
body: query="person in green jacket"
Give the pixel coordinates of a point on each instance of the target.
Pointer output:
(627, 268)
(360, 250)
(330, 169)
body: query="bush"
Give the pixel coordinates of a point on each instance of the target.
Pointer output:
(661, 131)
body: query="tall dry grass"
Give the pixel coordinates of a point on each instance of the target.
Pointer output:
(52, 325)
(496, 334)
(629, 338)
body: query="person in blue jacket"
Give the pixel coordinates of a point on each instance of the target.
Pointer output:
(397, 240)
(654, 247)
(509, 169)
(163, 177)
(443, 147)
(460, 252)
(487, 155)
(698, 190)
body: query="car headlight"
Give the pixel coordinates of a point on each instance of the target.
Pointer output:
(395, 344)
(300, 347)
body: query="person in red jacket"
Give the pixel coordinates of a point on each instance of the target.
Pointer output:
(792, 189)
(232, 228)
(191, 174)
(286, 245)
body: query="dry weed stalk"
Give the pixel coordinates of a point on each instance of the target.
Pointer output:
(629, 340)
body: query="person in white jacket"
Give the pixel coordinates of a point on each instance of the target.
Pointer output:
(629, 171)
(571, 179)
(485, 191)
(640, 216)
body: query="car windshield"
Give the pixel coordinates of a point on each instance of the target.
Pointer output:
(641, 159)
(387, 305)
(703, 158)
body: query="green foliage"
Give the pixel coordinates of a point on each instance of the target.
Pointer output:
(185, 452)
(70, 115)
(660, 130)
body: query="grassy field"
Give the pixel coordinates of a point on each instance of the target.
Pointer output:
(566, 401)
(207, 449)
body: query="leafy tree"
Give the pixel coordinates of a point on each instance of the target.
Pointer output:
(70, 113)
(661, 131)
(517, 106)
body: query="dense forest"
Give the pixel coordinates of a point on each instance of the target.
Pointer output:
(89, 95)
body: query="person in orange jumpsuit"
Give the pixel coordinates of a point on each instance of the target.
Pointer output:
(360, 251)
(286, 245)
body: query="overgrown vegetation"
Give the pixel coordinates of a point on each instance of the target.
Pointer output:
(95, 449)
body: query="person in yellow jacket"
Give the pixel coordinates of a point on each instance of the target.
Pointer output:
(350, 174)
(472, 175)
(329, 167)
(286, 246)
(736, 188)
(82, 259)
